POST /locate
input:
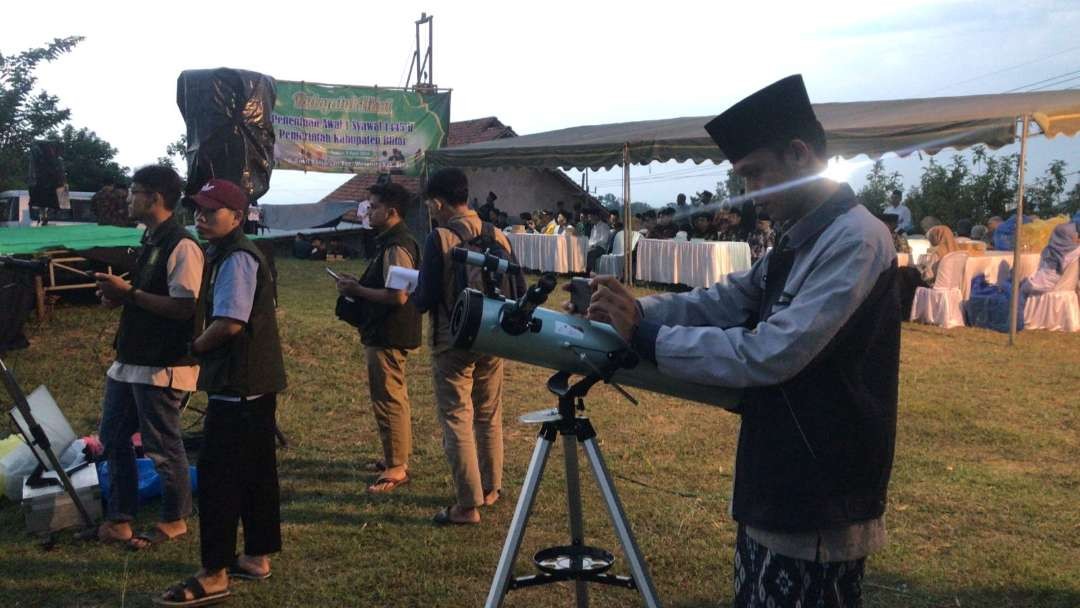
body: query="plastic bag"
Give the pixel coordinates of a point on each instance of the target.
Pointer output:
(149, 480)
(1035, 235)
(229, 129)
(15, 465)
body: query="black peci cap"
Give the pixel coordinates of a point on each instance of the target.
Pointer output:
(777, 113)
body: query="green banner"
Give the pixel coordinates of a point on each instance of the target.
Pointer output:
(346, 129)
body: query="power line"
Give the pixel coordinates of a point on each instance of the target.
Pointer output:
(1039, 82)
(1007, 69)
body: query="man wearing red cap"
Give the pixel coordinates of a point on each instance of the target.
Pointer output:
(812, 333)
(241, 370)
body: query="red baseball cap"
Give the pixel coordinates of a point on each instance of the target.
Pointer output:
(219, 194)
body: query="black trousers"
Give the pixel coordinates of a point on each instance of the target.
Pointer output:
(238, 481)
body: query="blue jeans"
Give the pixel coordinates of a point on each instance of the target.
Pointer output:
(155, 412)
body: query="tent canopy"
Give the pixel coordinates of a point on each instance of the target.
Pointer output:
(865, 127)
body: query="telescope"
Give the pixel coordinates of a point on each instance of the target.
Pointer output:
(523, 331)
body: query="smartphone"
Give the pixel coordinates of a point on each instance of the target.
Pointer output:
(580, 294)
(333, 275)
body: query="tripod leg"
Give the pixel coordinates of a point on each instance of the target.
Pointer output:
(505, 571)
(638, 568)
(573, 503)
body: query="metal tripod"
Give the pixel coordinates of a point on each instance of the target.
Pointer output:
(575, 562)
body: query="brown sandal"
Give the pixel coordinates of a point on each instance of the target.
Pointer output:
(383, 485)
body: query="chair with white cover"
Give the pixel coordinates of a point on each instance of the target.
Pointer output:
(941, 304)
(612, 263)
(1057, 310)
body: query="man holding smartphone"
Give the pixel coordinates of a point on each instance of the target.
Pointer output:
(151, 374)
(390, 331)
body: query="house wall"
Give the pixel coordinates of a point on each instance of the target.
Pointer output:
(522, 190)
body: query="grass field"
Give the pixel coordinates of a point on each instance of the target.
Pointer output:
(984, 507)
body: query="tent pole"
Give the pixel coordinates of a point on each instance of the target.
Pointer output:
(1014, 302)
(628, 240)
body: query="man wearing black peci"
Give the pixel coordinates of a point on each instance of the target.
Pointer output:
(812, 333)
(241, 370)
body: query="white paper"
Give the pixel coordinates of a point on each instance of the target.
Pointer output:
(402, 278)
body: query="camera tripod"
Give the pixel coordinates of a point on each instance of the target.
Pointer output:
(574, 562)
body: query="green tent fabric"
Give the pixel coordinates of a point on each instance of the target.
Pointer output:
(24, 240)
(867, 127)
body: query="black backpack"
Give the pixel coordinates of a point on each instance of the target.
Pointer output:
(511, 284)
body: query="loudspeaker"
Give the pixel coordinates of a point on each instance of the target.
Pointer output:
(229, 130)
(47, 180)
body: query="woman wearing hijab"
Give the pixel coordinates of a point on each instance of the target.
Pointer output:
(942, 243)
(1063, 249)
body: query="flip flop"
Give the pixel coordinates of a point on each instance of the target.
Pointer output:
(442, 518)
(238, 572)
(383, 485)
(174, 596)
(150, 538)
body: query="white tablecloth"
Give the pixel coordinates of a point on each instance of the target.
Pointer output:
(693, 263)
(995, 265)
(544, 252)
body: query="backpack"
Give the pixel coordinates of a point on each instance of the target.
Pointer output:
(511, 284)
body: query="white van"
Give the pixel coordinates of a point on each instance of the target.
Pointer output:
(15, 210)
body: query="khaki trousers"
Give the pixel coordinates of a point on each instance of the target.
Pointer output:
(468, 392)
(390, 402)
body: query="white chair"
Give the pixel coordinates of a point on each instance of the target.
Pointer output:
(1057, 310)
(940, 305)
(612, 263)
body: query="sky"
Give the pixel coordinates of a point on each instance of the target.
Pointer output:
(539, 67)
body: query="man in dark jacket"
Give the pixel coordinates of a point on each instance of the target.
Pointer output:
(812, 333)
(391, 331)
(241, 370)
(151, 374)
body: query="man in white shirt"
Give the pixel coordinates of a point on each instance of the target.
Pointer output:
(904, 223)
(145, 385)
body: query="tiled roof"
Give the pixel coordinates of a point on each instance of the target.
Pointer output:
(477, 130)
(356, 189)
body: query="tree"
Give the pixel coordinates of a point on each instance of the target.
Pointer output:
(958, 191)
(1045, 194)
(734, 186)
(879, 186)
(25, 115)
(1072, 202)
(176, 149)
(88, 160)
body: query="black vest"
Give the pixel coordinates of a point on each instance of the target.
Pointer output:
(816, 451)
(391, 326)
(250, 363)
(145, 338)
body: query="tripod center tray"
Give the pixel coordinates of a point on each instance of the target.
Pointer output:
(571, 560)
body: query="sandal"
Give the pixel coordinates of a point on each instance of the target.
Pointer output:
(383, 485)
(442, 518)
(150, 538)
(177, 595)
(239, 572)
